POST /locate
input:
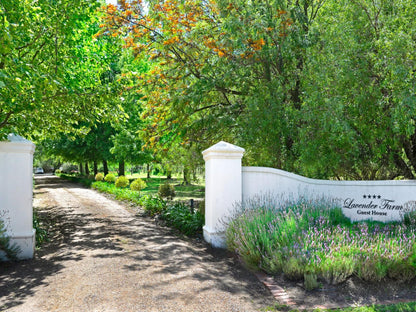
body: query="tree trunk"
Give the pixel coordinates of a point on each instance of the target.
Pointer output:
(95, 168)
(121, 168)
(87, 169)
(185, 177)
(169, 175)
(148, 171)
(105, 165)
(81, 171)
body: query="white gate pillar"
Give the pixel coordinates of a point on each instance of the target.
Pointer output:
(16, 193)
(223, 188)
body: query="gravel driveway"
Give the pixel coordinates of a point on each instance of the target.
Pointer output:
(102, 256)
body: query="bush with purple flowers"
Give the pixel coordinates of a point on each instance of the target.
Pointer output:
(314, 238)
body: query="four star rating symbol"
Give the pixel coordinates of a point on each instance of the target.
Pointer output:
(372, 196)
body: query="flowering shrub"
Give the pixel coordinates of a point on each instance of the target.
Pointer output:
(137, 185)
(316, 239)
(99, 176)
(110, 178)
(122, 181)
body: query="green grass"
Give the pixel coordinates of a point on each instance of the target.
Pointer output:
(183, 192)
(120, 193)
(399, 307)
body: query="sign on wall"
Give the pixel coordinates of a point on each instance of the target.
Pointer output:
(376, 207)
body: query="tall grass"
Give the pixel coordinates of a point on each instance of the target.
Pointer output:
(313, 238)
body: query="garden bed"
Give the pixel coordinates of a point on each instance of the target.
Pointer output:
(312, 242)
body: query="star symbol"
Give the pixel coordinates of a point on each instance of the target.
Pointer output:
(364, 196)
(378, 196)
(369, 196)
(374, 196)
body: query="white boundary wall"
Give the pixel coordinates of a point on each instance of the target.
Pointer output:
(228, 183)
(16, 193)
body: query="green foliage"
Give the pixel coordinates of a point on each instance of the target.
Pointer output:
(119, 193)
(49, 67)
(281, 79)
(153, 205)
(122, 181)
(166, 190)
(99, 176)
(41, 232)
(68, 168)
(8, 251)
(314, 238)
(110, 178)
(138, 185)
(398, 307)
(180, 216)
(77, 179)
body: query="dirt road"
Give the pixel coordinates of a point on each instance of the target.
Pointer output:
(103, 257)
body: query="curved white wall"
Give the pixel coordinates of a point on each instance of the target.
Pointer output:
(227, 184)
(377, 200)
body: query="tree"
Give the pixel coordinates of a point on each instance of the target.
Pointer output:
(360, 98)
(286, 79)
(223, 69)
(42, 87)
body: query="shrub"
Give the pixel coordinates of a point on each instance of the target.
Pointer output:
(403, 271)
(41, 232)
(110, 178)
(122, 181)
(166, 190)
(180, 216)
(99, 176)
(58, 171)
(7, 250)
(68, 168)
(137, 185)
(153, 205)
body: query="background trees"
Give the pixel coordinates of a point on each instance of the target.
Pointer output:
(323, 88)
(320, 87)
(48, 77)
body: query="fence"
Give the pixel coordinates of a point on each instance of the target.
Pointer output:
(228, 183)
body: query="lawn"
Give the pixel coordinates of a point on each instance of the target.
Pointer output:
(399, 307)
(195, 190)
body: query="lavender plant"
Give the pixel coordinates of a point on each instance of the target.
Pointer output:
(314, 238)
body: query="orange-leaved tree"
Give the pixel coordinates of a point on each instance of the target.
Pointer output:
(220, 70)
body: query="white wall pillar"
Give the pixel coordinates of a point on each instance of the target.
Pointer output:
(16, 193)
(223, 188)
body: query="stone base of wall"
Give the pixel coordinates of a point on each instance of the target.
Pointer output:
(215, 238)
(26, 244)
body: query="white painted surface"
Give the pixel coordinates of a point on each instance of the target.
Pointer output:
(360, 200)
(16, 167)
(222, 188)
(227, 184)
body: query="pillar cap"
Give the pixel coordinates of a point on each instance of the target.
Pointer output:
(17, 144)
(223, 150)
